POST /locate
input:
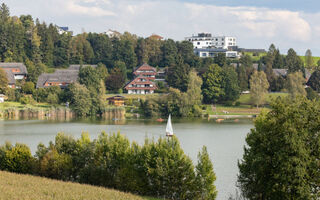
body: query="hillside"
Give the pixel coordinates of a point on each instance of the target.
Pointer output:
(23, 187)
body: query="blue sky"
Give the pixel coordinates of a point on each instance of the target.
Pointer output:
(255, 23)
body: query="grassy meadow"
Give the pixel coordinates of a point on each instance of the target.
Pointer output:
(26, 187)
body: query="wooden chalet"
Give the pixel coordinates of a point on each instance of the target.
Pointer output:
(141, 85)
(116, 100)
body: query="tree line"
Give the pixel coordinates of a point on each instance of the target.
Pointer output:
(43, 49)
(157, 168)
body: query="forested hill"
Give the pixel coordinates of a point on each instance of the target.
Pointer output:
(25, 39)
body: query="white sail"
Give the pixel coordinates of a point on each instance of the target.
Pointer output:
(169, 130)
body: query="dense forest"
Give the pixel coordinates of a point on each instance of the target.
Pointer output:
(207, 80)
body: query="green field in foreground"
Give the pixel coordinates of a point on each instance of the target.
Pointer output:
(23, 187)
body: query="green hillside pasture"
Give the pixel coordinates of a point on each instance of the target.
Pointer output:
(315, 59)
(26, 187)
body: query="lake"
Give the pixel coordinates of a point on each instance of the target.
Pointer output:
(224, 140)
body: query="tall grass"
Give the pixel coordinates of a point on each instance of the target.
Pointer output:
(23, 187)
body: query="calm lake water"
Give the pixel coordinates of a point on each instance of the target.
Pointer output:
(224, 140)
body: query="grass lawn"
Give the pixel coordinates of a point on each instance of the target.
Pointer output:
(25, 187)
(232, 110)
(135, 96)
(245, 98)
(245, 107)
(9, 104)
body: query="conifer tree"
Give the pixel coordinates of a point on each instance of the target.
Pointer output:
(205, 177)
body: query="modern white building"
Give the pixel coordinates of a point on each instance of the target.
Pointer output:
(212, 52)
(206, 40)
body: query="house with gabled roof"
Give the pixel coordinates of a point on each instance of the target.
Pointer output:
(61, 77)
(147, 71)
(14, 71)
(141, 85)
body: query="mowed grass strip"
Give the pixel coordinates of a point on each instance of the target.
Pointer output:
(26, 187)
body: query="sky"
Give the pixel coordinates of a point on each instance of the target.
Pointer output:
(256, 23)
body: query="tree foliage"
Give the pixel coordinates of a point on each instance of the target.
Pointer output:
(295, 84)
(3, 81)
(281, 159)
(314, 81)
(258, 87)
(211, 87)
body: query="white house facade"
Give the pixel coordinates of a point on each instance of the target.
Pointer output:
(206, 40)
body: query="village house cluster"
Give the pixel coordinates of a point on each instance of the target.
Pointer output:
(143, 83)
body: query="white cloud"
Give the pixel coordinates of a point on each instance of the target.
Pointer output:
(95, 11)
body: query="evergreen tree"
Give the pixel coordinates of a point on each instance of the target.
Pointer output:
(35, 46)
(314, 81)
(205, 177)
(278, 62)
(169, 53)
(177, 76)
(294, 62)
(212, 84)
(242, 77)
(230, 84)
(220, 59)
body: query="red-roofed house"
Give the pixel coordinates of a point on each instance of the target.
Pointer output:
(147, 71)
(141, 85)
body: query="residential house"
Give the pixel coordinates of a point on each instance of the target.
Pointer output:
(141, 85)
(15, 71)
(61, 77)
(112, 33)
(146, 71)
(63, 29)
(156, 37)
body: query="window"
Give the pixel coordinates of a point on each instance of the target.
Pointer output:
(204, 54)
(198, 43)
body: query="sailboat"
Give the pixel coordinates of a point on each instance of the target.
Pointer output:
(169, 130)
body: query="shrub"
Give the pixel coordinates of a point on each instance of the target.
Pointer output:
(53, 98)
(18, 159)
(27, 100)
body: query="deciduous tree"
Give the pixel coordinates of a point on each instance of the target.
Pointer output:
(295, 84)
(280, 160)
(258, 87)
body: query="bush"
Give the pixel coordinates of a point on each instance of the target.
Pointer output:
(237, 103)
(27, 100)
(53, 98)
(18, 159)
